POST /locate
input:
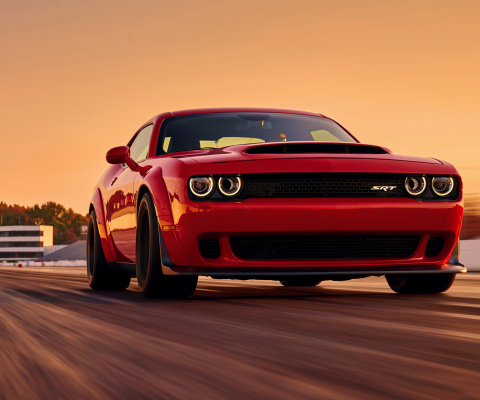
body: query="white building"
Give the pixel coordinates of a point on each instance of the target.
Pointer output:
(24, 242)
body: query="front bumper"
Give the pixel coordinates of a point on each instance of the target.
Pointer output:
(196, 221)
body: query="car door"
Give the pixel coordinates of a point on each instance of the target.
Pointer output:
(121, 214)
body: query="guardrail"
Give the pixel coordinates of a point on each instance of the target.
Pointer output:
(61, 263)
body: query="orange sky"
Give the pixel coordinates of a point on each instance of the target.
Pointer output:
(79, 77)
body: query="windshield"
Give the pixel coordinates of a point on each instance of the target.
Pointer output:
(214, 131)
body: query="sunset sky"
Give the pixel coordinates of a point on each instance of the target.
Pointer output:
(79, 77)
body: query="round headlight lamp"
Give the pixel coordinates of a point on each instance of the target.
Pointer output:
(415, 185)
(230, 186)
(442, 185)
(201, 186)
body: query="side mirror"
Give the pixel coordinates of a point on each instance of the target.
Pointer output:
(117, 155)
(121, 154)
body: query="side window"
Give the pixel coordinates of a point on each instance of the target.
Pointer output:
(139, 147)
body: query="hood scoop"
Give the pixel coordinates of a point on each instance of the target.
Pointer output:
(315, 148)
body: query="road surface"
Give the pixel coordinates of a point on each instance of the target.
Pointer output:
(236, 340)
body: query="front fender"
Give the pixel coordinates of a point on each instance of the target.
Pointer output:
(98, 205)
(154, 183)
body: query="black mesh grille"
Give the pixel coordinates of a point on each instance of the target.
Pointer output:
(210, 248)
(323, 185)
(324, 247)
(434, 247)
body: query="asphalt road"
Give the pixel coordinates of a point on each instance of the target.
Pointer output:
(236, 340)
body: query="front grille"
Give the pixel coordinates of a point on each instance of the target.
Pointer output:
(210, 248)
(434, 246)
(290, 185)
(323, 247)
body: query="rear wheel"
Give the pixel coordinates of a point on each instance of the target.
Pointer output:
(420, 283)
(100, 274)
(304, 281)
(151, 280)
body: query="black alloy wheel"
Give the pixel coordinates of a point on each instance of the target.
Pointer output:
(151, 280)
(420, 283)
(100, 274)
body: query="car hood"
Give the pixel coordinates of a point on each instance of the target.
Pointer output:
(298, 150)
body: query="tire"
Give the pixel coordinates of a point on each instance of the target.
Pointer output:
(152, 282)
(100, 274)
(420, 283)
(303, 281)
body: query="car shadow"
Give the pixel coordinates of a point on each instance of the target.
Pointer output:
(209, 293)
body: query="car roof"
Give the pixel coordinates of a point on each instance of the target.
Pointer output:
(242, 109)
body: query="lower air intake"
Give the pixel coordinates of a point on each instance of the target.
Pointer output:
(210, 248)
(322, 247)
(434, 247)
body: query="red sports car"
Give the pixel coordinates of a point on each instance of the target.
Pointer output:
(269, 194)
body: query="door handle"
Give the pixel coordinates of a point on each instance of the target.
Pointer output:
(114, 180)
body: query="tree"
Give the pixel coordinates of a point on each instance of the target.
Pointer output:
(66, 223)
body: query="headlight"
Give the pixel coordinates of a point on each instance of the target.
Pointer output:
(230, 186)
(442, 185)
(201, 186)
(415, 185)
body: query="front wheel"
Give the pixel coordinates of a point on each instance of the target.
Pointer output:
(420, 283)
(151, 280)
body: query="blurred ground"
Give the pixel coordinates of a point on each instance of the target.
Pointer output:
(236, 340)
